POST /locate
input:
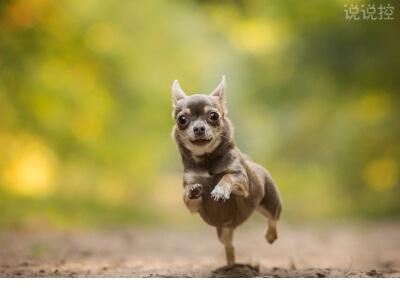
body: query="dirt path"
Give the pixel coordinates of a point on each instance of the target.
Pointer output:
(328, 251)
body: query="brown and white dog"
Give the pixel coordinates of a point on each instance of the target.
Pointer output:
(220, 183)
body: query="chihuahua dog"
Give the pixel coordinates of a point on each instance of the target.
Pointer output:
(220, 183)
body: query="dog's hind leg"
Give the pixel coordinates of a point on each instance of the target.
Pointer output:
(271, 206)
(225, 235)
(272, 234)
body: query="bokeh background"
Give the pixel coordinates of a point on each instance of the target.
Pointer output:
(85, 106)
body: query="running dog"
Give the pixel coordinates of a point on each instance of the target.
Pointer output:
(219, 182)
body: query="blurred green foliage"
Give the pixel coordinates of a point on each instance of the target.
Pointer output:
(85, 109)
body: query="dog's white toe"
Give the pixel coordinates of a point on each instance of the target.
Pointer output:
(221, 193)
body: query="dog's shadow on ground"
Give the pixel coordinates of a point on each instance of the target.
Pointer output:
(236, 271)
(249, 271)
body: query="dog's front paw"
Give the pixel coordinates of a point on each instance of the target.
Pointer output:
(195, 191)
(221, 192)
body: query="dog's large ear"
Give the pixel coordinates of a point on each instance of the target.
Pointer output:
(177, 92)
(220, 93)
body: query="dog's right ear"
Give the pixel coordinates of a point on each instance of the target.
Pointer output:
(220, 94)
(177, 92)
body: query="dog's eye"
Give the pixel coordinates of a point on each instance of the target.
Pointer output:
(183, 120)
(213, 116)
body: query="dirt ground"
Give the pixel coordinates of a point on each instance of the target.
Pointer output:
(301, 251)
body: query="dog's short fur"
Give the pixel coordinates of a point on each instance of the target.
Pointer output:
(220, 183)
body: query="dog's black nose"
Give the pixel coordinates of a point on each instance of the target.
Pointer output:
(199, 130)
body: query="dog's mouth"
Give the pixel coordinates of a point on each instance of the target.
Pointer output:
(201, 141)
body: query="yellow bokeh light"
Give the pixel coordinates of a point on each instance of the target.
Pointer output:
(372, 108)
(104, 38)
(31, 171)
(24, 14)
(381, 174)
(256, 36)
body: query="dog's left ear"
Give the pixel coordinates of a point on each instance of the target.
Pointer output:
(220, 93)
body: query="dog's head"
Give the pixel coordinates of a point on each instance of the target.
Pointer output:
(200, 119)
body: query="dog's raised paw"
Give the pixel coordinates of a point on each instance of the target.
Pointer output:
(195, 191)
(221, 192)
